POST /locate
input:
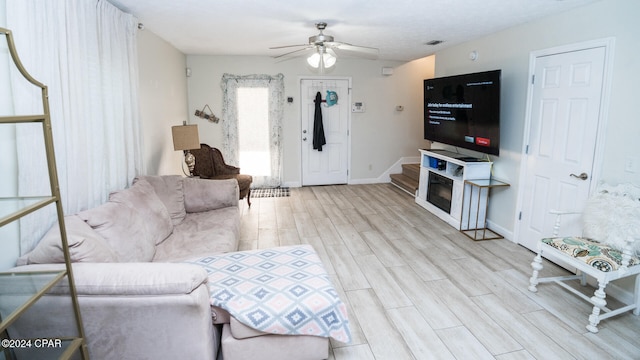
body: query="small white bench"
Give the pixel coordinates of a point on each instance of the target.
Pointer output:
(607, 250)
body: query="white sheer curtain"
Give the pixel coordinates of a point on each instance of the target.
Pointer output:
(85, 52)
(231, 84)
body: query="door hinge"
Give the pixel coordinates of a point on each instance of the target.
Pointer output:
(520, 216)
(526, 150)
(533, 79)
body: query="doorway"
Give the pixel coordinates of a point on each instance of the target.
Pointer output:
(331, 165)
(252, 124)
(254, 151)
(562, 137)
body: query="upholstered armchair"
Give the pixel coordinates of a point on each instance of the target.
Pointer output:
(210, 165)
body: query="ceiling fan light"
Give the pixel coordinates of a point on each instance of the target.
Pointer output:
(314, 60)
(328, 60)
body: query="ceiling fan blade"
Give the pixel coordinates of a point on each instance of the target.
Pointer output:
(290, 53)
(296, 53)
(322, 42)
(355, 50)
(347, 46)
(287, 46)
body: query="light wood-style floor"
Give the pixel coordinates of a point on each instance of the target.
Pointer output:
(418, 289)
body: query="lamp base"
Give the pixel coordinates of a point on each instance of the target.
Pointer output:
(190, 160)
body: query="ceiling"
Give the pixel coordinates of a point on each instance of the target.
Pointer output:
(399, 28)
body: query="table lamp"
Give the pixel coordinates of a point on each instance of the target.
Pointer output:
(185, 138)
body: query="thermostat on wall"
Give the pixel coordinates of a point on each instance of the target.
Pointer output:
(357, 107)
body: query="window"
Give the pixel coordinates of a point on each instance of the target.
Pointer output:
(253, 131)
(252, 121)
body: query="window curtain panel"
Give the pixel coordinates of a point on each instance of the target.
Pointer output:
(85, 51)
(230, 85)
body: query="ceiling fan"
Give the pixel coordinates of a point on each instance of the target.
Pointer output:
(324, 50)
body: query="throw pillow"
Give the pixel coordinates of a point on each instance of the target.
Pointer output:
(132, 222)
(85, 245)
(205, 195)
(123, 229)
(611, 218)
(169, 190)
(143, 199)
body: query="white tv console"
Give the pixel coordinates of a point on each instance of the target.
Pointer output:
(451, 173)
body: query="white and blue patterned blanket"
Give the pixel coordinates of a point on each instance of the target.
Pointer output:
(283, 290)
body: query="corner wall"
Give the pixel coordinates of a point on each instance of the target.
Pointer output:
(163, 102)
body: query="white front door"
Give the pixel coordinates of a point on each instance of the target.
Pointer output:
(565, 110)
(331, 165)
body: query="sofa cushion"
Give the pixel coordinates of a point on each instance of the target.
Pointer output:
(170, 191)
(131, 222)
(204, 194)
(242, 331)
(143, 199)
(210, 232)
(273, 347)
(600, 256)
(85, 245)
(123, 229)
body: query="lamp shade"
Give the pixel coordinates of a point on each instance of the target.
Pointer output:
(327, 60)
(185, 137)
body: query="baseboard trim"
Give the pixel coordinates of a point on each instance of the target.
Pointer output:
(291, 184)
(507, 234)
(385, 177)
(365, 181)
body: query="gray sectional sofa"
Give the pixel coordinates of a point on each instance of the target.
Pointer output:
(138, 301)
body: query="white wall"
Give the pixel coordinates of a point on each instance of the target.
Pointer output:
(509, 50)
(163, 102)
(380, 136)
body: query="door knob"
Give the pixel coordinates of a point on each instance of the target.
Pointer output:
(582, 176)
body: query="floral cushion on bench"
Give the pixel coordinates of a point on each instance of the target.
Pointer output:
(600, 256)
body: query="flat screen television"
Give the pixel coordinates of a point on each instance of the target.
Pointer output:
(464, 111)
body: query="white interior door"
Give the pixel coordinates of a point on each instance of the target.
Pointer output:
(564, 115)
(331, 165)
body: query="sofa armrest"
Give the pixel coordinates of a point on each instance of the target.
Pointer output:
(206, 194)
(138, 278)
(127, 279)
(129, 311)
